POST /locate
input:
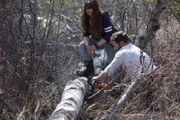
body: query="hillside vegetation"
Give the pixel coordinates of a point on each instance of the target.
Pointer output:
(39, 53)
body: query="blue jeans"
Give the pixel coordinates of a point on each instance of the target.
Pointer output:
(107, 46)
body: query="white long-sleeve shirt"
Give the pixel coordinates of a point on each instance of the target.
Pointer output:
(130, 59)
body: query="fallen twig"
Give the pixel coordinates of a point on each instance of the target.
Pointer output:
(21, 115)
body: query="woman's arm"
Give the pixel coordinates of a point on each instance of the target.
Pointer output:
(107, 27)
(107, 31)
(86, 40)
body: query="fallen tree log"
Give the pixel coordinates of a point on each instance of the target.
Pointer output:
(71, 101)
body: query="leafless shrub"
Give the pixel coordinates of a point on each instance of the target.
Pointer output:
(35, 60)
(39, 51)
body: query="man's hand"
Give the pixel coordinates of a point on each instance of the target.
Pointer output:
(101, 76)
(95, 78)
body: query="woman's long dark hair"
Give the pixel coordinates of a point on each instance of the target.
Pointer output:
(96, 18)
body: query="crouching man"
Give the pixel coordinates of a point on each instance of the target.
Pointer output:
(129, 57)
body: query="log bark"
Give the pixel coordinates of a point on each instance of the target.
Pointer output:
(71, 101)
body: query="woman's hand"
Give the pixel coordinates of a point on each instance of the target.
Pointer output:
(90, 53)
(90, 49)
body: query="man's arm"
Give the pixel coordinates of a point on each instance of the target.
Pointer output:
(111, 68)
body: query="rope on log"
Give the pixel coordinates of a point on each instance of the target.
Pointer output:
(72, 100)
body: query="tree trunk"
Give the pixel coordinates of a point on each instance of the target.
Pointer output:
(1, 92)
(153, 24)
(100, 3)
(71, 101)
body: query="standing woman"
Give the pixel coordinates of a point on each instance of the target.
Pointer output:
(97, 30)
